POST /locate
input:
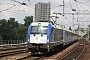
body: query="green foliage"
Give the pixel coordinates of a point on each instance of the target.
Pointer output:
(1, 38)
(28, 20)
(20, 32)
(3, 28)
(86, 35)
(12, 30)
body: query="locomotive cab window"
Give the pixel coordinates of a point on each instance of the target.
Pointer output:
(39, 30)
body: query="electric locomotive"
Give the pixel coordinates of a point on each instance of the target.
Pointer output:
(44, 37)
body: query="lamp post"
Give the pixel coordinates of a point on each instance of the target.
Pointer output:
(63, 7)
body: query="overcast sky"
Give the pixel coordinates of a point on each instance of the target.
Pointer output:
(10, 8)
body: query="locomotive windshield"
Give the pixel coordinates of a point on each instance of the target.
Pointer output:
(39, 30)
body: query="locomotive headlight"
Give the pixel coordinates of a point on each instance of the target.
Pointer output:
(29, 52)
(48, 46)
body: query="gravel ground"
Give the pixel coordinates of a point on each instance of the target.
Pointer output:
(15, 57)
(86, 53)
(62, 53)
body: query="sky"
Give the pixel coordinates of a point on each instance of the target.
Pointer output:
(13, 8)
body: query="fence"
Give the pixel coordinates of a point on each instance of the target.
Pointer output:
(12, 42)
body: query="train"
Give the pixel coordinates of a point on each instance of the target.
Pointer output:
(44, 37)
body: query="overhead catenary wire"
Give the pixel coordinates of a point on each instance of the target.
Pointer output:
(29, 2)
(62, 13)
(52, 8)
(16, 12)
(23, 3)
(7, 8)
(37, 2)
(66, 5)
(6, 4)
(78, 14)
(85, 10)
(81, 13)
(84, 1)
(84, 7)
(73, 9)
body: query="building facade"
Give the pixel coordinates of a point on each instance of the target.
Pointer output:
(42, 11)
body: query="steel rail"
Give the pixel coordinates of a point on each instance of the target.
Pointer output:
(66, 56)
(81, 53)
(31, 57)
(12, 52)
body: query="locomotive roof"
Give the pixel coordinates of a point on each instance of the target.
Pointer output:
(46, 24)
(54, 26)
(42, 23)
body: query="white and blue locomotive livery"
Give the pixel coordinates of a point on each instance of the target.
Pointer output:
(44, 37)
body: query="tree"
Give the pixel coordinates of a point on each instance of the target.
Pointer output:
(3, 28)
(7, 28)
(20, 32)
(12, 30)
(28, 20)
(12, 24)
(1, 38)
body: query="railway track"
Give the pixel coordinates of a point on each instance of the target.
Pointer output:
(86, 54)
(19, 53)
(30, 57)
(12, 52)
(43, 57)
(75, 53)
(7, 49)
(72, 52)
